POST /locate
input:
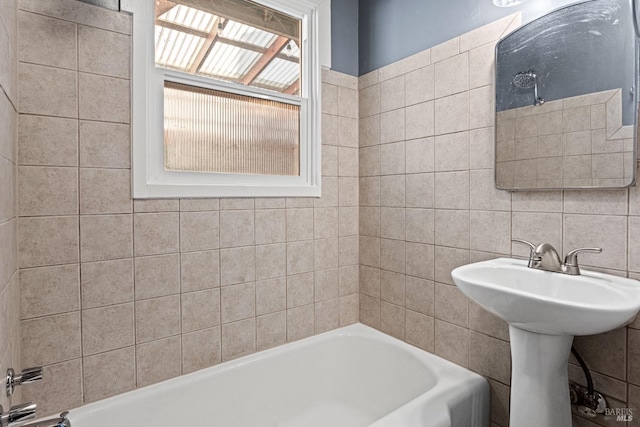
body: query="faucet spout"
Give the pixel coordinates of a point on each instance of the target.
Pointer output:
(61, 421)
(545, 257)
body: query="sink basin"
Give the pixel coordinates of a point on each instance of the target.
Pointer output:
(550, 303)
(544, 311)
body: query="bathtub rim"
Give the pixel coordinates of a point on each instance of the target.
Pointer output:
(448, 374)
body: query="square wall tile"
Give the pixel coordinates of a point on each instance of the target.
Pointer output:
(452, 152)
(34, 141)
(420, 260)
(392, 158)
(104, 99)
(300, 257)
(104, 52)
(47, 191)
(452, 342)
(104, 237)
(270, 226)
(420, 190)
(237, 265)
(48, 240)
(392, 94)
(271, 261)
(452, 190)
(300, 322)
(300, 290)
(607, 232)
(237, 228)
(490, 357)
(199, 231)
(104, 191)
(157, 318)
(420, 120)
(419, 330)
(109, 373)
(200, 310)
(157, 276)
(201, 349)
(271, 296)
(392, 190)
(420, 155)
(47, 41)
(107, 283)
(238, 339)
(49, 290)
(452, 114)
(420, 295)
(156, 233)
(419, 85)
(299, 224)
(47, 91)
(41, 338)
(490, 231)
(452, 75)
(451, 305)
(158, 360)
(104, 145)
(107, 328)
(392, 255)
(392, 287)
(199, 270)
(392, 126)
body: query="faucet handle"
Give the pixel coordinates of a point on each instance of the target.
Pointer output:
(532, 247)
(525, 242)
(572, 256)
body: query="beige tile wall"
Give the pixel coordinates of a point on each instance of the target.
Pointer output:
(153, 289)
(428, 204)
(9, 287)
(120, 293)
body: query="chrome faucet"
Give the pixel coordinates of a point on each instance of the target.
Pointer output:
(61, 421)
(545, 257)
(17, 415)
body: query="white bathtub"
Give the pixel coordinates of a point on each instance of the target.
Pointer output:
(351, 377)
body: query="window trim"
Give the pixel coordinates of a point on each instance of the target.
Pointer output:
(150, 180)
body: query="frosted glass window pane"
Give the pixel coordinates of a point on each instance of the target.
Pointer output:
(212, 131)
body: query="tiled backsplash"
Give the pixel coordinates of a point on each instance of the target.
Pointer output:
(120, 293)
(9, 287)
(570, 142)
(428, 204)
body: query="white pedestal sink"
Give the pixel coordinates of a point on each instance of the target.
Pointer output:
(545, 311)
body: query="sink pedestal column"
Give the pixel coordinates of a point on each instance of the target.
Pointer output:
(539, 379)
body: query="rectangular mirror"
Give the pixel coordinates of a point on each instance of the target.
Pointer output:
(566, 100)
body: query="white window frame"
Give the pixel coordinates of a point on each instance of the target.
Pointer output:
(151, 180)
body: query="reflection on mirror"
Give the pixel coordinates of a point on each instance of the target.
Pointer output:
(566, 104)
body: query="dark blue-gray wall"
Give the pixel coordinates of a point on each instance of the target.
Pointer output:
(344, 36)
(390, 30)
